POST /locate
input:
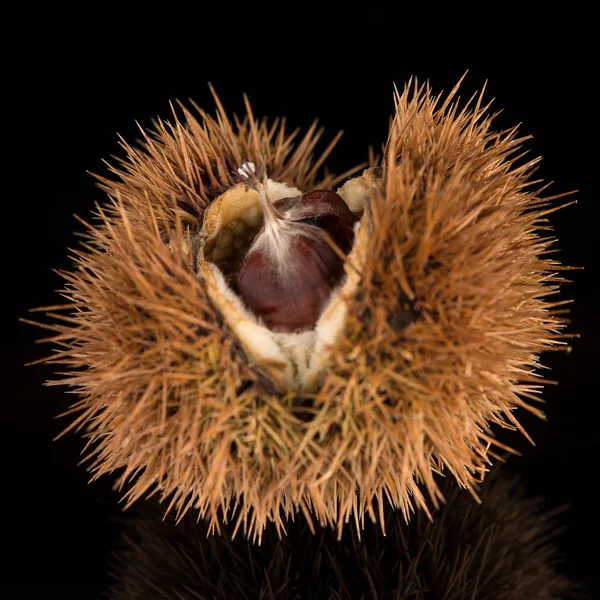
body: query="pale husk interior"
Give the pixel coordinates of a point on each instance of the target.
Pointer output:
(293, 361)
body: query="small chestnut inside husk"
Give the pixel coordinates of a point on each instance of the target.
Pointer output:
(296, 260)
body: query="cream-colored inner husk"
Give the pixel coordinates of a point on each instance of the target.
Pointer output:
(293, 361)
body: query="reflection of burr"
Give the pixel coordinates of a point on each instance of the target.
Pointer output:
(430, 334)
(498, 550)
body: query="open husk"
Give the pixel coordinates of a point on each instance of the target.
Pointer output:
(432, 338)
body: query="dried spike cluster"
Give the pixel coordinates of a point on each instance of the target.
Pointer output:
(183, 166)
(442, 337)
(500, 550)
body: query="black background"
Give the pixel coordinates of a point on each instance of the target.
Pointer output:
(61, 113)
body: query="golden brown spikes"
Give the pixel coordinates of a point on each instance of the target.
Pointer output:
(183, 167)
(441, 340)
(449, 343)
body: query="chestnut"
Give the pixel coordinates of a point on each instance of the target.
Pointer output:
(291, 269)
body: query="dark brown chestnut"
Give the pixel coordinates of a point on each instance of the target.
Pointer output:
(291, 269)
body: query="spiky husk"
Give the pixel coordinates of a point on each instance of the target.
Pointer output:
(500, 550)
(442, 339)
